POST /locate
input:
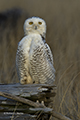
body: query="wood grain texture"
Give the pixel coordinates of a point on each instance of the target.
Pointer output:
(16, 98)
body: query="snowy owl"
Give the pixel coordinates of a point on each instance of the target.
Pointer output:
(34, 60)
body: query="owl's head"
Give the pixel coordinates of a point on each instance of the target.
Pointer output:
(35, 25)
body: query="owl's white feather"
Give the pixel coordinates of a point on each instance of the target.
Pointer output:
(34, 60)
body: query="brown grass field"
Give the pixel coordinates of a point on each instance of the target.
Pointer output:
(63, 36)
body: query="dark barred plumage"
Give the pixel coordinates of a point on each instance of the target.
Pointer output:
(41, 65)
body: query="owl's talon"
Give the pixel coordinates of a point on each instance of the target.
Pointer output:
(42, 102)
(22, 81)
(37, 101)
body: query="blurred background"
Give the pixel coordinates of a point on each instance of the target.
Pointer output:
(63, 36)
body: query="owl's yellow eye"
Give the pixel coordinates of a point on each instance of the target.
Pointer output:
(30, 23)
(39, 23)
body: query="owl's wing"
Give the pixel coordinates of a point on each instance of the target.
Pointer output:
(22, 56)
(41, 68)
(49, 53)
(20, 59)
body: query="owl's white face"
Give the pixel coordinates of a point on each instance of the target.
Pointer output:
(35, 25)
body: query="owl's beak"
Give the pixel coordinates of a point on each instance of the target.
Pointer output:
(35, 27)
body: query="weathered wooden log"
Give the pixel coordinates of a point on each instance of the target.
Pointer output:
(33, 92)
(18, 102)
(24, 97)
(20, 99)
(16, 116)
(27, 90)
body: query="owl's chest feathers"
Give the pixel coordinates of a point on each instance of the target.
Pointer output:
(27, 41)
(27, 44)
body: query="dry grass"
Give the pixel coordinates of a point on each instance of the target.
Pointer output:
(63, 36)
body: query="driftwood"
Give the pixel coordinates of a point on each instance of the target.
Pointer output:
(16, 100)
(22, 99)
